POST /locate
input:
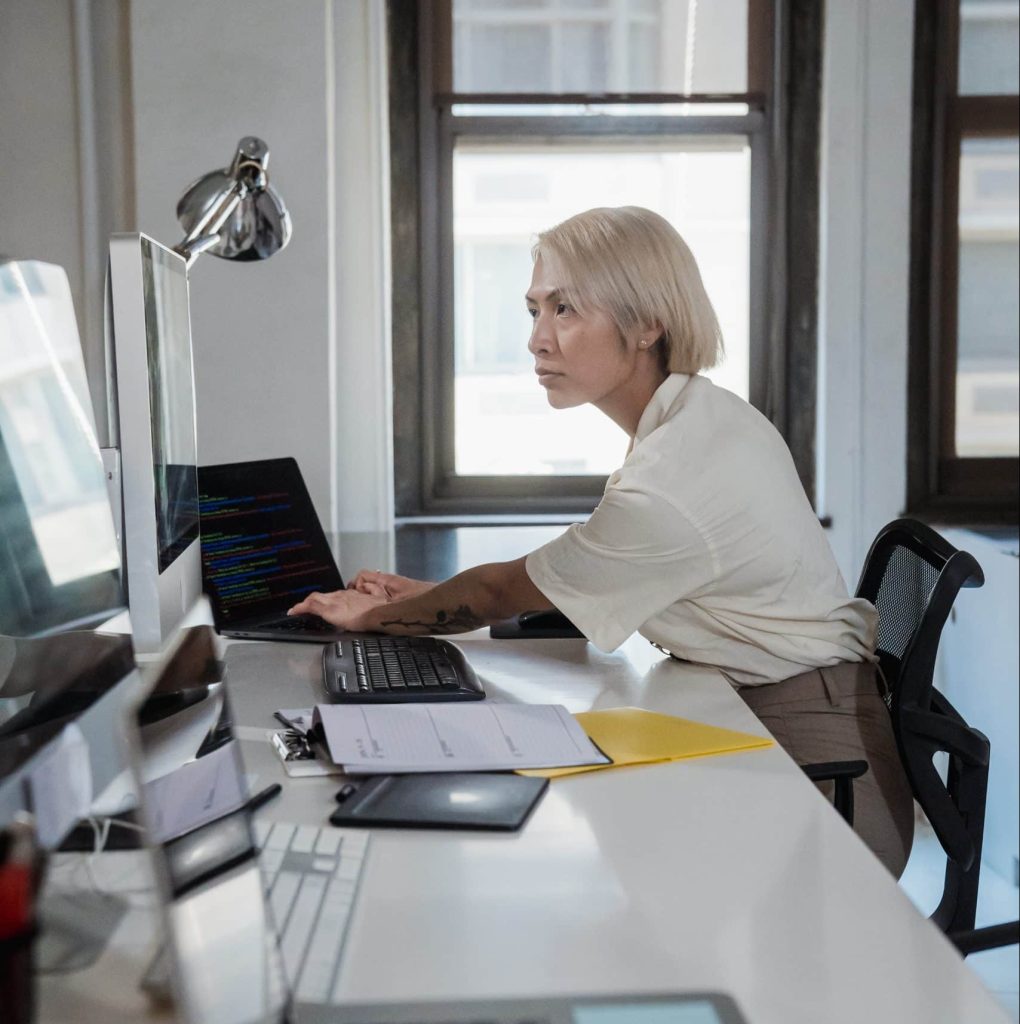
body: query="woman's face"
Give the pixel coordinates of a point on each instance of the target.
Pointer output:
(577, 359)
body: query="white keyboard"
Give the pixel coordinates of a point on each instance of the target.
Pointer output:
(312, 877)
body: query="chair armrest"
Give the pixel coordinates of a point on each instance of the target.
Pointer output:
(843, 774)
(976, 940)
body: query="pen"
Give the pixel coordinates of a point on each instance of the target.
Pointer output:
(280, 717)
(264, 796)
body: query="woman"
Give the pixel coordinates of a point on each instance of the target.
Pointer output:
(704, 541)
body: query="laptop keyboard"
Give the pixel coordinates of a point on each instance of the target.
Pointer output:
(312, 876)
(299, 624)
(397, 669)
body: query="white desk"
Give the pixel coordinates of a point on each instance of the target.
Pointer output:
(728, 873)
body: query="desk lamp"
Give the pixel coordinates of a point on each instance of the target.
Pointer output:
(234, 212)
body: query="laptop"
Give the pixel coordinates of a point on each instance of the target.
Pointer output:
(255, 915)
(263, 551)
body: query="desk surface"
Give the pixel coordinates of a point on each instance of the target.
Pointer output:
(727, 873)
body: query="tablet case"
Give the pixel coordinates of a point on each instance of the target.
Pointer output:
(481, 800)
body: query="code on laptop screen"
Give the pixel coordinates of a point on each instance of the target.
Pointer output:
(263, 549)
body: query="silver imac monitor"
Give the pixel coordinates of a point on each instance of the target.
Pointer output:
(153, 402)
(63, 681)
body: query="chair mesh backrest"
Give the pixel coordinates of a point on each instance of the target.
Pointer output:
(902, 598)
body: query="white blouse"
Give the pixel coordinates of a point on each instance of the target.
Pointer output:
(705, 543)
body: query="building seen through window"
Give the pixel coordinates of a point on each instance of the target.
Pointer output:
(598, 46)
(507, 190)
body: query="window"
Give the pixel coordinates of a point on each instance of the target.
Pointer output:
(965, 364)
(508, 117)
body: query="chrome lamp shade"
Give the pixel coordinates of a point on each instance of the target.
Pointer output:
(234, 212)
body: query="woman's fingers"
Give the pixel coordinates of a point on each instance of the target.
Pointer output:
(363, 577)
(375, 589)
(364, 584)
(311, 605)
(344, 608)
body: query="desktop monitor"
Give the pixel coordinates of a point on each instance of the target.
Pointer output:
(59, 565)
(153, 404)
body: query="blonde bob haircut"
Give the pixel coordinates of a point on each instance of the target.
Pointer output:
(633, 265)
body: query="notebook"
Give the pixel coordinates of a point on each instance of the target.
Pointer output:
(263, 550)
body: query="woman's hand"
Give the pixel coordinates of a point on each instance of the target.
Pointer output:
(344, 608)
(387, 585)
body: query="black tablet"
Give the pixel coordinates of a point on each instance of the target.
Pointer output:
(482, 800)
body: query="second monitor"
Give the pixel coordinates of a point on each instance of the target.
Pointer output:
(153, 417)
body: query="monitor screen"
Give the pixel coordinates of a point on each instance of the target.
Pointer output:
(59, 561)
(171, 400)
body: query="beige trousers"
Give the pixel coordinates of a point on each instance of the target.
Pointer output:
(838, 714)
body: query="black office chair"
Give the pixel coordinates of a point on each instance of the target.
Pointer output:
(912, 576)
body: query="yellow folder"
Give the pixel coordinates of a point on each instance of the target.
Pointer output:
(636, 736)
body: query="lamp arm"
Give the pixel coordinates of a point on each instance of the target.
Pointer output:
(206, 230)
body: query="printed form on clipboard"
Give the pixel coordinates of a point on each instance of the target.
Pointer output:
(399, 738)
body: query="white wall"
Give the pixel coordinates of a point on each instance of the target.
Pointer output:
(108, 112)
(39, 192)
(290, 350)
(863, 289)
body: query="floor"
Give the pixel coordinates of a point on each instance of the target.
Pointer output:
(998, 901)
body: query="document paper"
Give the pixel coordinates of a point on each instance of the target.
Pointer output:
(397, 738)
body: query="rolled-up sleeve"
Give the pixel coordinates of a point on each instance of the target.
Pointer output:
(635, 556)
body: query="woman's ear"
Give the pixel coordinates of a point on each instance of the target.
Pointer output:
(650, 334)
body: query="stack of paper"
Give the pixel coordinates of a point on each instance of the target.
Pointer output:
(636, 736)
(484, 736)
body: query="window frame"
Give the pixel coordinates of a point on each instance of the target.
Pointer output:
(781, 127)
(941, 485)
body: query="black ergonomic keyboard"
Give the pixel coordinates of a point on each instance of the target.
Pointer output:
(397, 670)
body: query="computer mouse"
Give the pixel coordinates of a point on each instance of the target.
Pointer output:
(546, 624)
(548, 619)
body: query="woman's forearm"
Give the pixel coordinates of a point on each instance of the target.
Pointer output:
(472, 599)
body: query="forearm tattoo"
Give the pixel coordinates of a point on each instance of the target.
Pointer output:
(463, 620)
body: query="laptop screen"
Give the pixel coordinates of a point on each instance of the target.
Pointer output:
(263, 548)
